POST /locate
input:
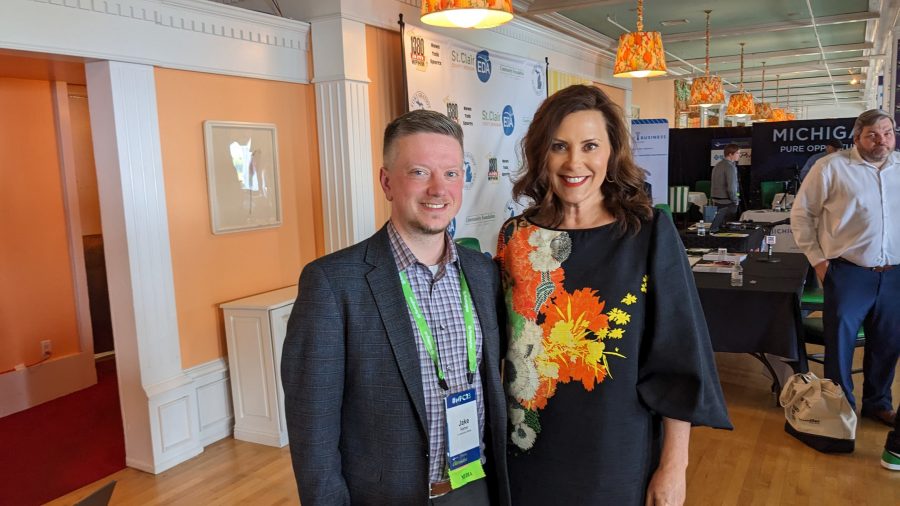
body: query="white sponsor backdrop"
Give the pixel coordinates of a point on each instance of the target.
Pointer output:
(494, 97)
(651, 153)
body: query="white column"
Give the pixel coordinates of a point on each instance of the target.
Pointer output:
(158, 402)
(345, 142)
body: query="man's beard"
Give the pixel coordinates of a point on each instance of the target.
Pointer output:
(426, 230)
(870, 155)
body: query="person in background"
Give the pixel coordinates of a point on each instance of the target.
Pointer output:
(392, 354)
(609, 361)
(724, 186)
(831, 146)
(845, 219)
(890, 457)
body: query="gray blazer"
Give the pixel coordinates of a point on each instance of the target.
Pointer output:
(353, 390)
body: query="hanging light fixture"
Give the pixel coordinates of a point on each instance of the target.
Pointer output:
(778, 114)
(640, 53)
(790, 116)
(740, 104)
(466, 13)
(707, 91)
(763, 108)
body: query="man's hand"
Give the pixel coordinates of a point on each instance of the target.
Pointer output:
(821, 268)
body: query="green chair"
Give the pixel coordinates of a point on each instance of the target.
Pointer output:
(812, 299)
(767, 191)
(814, 333)
(664, 208)
(469, 242)
(703, 186)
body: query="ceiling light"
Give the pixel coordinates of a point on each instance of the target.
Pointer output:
(466, 13)
(740, 104)
(707, 91)
(640, 53)
(674, 22)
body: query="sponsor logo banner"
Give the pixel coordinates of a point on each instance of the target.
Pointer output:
(493, 97)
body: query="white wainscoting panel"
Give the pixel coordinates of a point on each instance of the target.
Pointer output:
(213, 400)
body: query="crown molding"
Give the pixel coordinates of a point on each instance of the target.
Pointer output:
(182, 34)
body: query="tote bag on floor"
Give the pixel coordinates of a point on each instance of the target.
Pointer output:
(818, 414)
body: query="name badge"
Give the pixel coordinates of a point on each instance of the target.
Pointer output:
(463, 438)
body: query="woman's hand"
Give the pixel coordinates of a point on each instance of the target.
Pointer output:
(667, 487)
(669, 483)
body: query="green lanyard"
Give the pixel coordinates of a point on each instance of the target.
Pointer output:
(428, 337)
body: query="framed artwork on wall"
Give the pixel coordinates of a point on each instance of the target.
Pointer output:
(242, 175)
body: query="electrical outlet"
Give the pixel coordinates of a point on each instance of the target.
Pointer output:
(46, 348)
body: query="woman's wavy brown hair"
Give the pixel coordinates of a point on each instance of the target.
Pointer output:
(623, 189)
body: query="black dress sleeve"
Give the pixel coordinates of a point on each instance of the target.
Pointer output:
(677, 375)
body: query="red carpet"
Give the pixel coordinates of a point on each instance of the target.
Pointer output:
(62, 445)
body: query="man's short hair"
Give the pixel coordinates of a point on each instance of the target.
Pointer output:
(418, 122)
(836, 144)
(869, 118)
(731, 149)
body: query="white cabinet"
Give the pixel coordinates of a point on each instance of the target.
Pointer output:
(255, 328)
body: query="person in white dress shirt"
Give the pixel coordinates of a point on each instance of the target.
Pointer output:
(846, 219)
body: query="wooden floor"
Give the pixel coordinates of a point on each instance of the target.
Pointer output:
(757, 463)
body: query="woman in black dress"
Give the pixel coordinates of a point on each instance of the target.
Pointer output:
(609, 361)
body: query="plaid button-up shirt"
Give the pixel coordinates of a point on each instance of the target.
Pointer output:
(438, 296)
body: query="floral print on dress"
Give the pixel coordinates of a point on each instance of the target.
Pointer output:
(555, 336)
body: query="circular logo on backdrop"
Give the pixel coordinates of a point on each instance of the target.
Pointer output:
(419, 100)
(483, 65)
(509, 120)
(537, 80)
(451, 228)
(471, 170)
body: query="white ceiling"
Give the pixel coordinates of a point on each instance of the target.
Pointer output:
(816, 47)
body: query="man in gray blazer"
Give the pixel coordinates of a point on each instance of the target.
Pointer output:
(391, 338)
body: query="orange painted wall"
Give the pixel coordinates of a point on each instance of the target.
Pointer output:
(210, 269)
(386, 100)
(37, 299)
(85, 170)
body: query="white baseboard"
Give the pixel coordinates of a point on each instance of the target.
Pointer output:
(20, 390)
(263, 438)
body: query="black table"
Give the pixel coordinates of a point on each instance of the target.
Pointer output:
(752, 242)
(762, 316)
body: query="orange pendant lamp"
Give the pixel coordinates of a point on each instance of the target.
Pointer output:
(778, 114)
(763, 108)
(640, 53)
(466, 13)
(707, 91)
(740, 104)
